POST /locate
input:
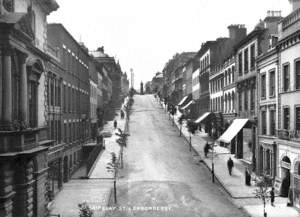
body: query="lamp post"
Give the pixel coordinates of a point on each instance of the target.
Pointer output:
(212, 159)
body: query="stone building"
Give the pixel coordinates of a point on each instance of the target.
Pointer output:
(75, 95)
(267, 81)
(93, 97)
(288, 161)
(24, 190)
(212, 56)
(256, 43)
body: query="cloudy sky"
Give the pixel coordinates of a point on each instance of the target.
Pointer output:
(144, 34)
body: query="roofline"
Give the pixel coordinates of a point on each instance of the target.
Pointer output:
(69, 34)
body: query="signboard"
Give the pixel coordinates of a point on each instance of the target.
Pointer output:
(277, 186)
(286, 165)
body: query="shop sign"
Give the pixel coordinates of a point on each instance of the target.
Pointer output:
(286, 165)
(277, 185)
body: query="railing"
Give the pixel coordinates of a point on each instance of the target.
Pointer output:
(93, 156)
(292, 18)
(289, 134)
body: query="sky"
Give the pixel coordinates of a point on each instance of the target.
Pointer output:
(145, 34)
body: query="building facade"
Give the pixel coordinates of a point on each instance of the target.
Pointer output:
(23, 113)
(75, 94)
(256, 43)
(288, 170)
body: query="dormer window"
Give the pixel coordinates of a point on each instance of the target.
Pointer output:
(8, 5)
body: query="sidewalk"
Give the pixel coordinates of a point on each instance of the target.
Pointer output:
(234, 185)
(97, 189)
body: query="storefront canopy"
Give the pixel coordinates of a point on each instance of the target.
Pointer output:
(182, 101)
(202, 117)
(233, 130)
(187, 105)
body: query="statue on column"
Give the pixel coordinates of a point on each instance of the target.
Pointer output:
(142, 88)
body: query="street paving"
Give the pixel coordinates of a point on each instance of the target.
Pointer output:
(161, 174)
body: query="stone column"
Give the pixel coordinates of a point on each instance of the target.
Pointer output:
(6, 188)
(23, 88)
(7, 87)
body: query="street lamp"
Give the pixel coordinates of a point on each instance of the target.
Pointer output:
(212, 159)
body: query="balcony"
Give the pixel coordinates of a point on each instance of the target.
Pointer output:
(292, 135)
(291, 19)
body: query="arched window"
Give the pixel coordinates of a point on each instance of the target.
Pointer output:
(8, 5)
(229, 76)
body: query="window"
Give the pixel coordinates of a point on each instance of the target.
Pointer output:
(297, 115)
(8, 5)
(240, 63)
(272, 122)
(297, 75)
(286, 118)
(232, 72)
(246, 100)
(263, 86)
(69, 99)
(272, 83)
(240, 101)
(286, 77)
(252, 56)
(246, 65)
(252, 99)
(32, 101)
(263, 123)
(65, 98)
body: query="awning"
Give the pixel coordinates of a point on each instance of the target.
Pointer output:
(232, 130)
(201, 118)
(183, 100)
(188, 105)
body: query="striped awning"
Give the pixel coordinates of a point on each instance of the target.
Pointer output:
(202, 117)
(233, 130)
(182, 101)
(188, 105)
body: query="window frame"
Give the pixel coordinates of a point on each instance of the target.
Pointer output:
(283, 116)
(263, 86)
(295, 73)
(284, 88)
(274, 92)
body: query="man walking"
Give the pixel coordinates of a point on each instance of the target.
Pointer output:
(206, 149)
(230, 165)
(272, 196)
(115, 124)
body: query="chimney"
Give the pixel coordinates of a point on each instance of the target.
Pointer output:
(237, 32)
(100, 49)
(295, 4)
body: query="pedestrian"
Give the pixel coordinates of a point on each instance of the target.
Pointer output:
(115, 124)
(122, 114)
(272, 195)
(230, 165)
(206, 149)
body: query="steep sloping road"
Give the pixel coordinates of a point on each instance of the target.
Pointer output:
(161, 174)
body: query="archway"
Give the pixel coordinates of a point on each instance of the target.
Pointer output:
(285, 175)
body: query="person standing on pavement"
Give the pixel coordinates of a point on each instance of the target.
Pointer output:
(272, 196)
(206, 149)
(230, 165)
(115, 124)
